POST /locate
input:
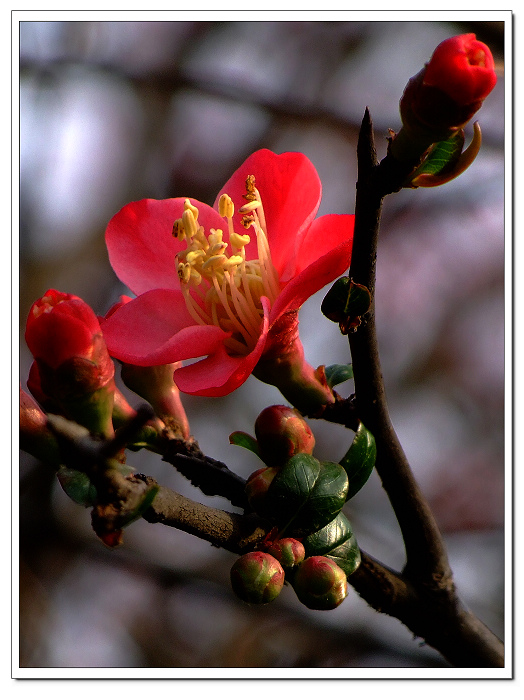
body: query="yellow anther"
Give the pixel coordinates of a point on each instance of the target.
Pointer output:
(189, 223)
(247, 220)
(250, 188)
(184, 272)
(215, 236)
(226, 208)
(214, 261)
(195, 277)
(178, 230)
(250, 206)
(217, 248)
(233, 261)
(194, 256)
(239, 241)
(190, 207)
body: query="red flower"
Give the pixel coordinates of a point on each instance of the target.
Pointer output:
(463, 68)
(228, 283)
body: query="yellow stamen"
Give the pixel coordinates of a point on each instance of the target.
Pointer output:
(224, 289)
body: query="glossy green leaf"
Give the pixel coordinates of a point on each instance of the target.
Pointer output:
(336, 374)
(327, 538)
(347, 555)
(443, 155)
(359, 460)
(306, 494)
(358, 300)
(244, 440)
(337, 541)
(335, 300)
(77, 486)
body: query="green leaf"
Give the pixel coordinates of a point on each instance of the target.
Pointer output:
(347, 555)
(336, 374)
(327, 538)
(306, 494)
(358, 301)
(337, 541)
(359, 460)
(77, 486)
(443, 155)
(244, 440)
(335, 300)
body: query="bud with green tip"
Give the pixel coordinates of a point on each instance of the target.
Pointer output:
(320, 584)
(257, 577)
(288, 551)
(281, 433)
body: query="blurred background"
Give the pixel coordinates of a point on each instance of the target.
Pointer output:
(116, 111)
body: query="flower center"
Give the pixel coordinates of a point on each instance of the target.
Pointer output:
(220, 286)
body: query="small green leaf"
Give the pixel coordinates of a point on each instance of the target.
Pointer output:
(336, 374)
(306, 494)
(359, 460)
(244, 440)
(337, 541)
(335, 300)
(443, 155)
(327, 538)
(358, 301)
(77, 486)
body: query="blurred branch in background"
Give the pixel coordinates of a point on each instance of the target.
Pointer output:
(116, 111)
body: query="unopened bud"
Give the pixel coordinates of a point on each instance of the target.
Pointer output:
(288, 551)
(281, 433)
(320, 584)
(257, 486)
(257, 577)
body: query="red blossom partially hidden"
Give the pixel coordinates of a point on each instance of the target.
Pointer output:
(463, 68)
(220, 284)
(61, 326)
(73, 372)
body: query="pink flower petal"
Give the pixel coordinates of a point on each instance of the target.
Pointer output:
(156, 329)
(220, 373)
(291, 191)
(324, 234)
(311, 279)
(141, 246)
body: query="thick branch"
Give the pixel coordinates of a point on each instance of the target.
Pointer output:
(426, 554)
(434, 611)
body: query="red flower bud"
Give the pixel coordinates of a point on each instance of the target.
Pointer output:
(257, 577)
(257, 486)
(74, 367)
(281, 433)
(320, 584)
(463, 68)
(446, 93)
(288, 551)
